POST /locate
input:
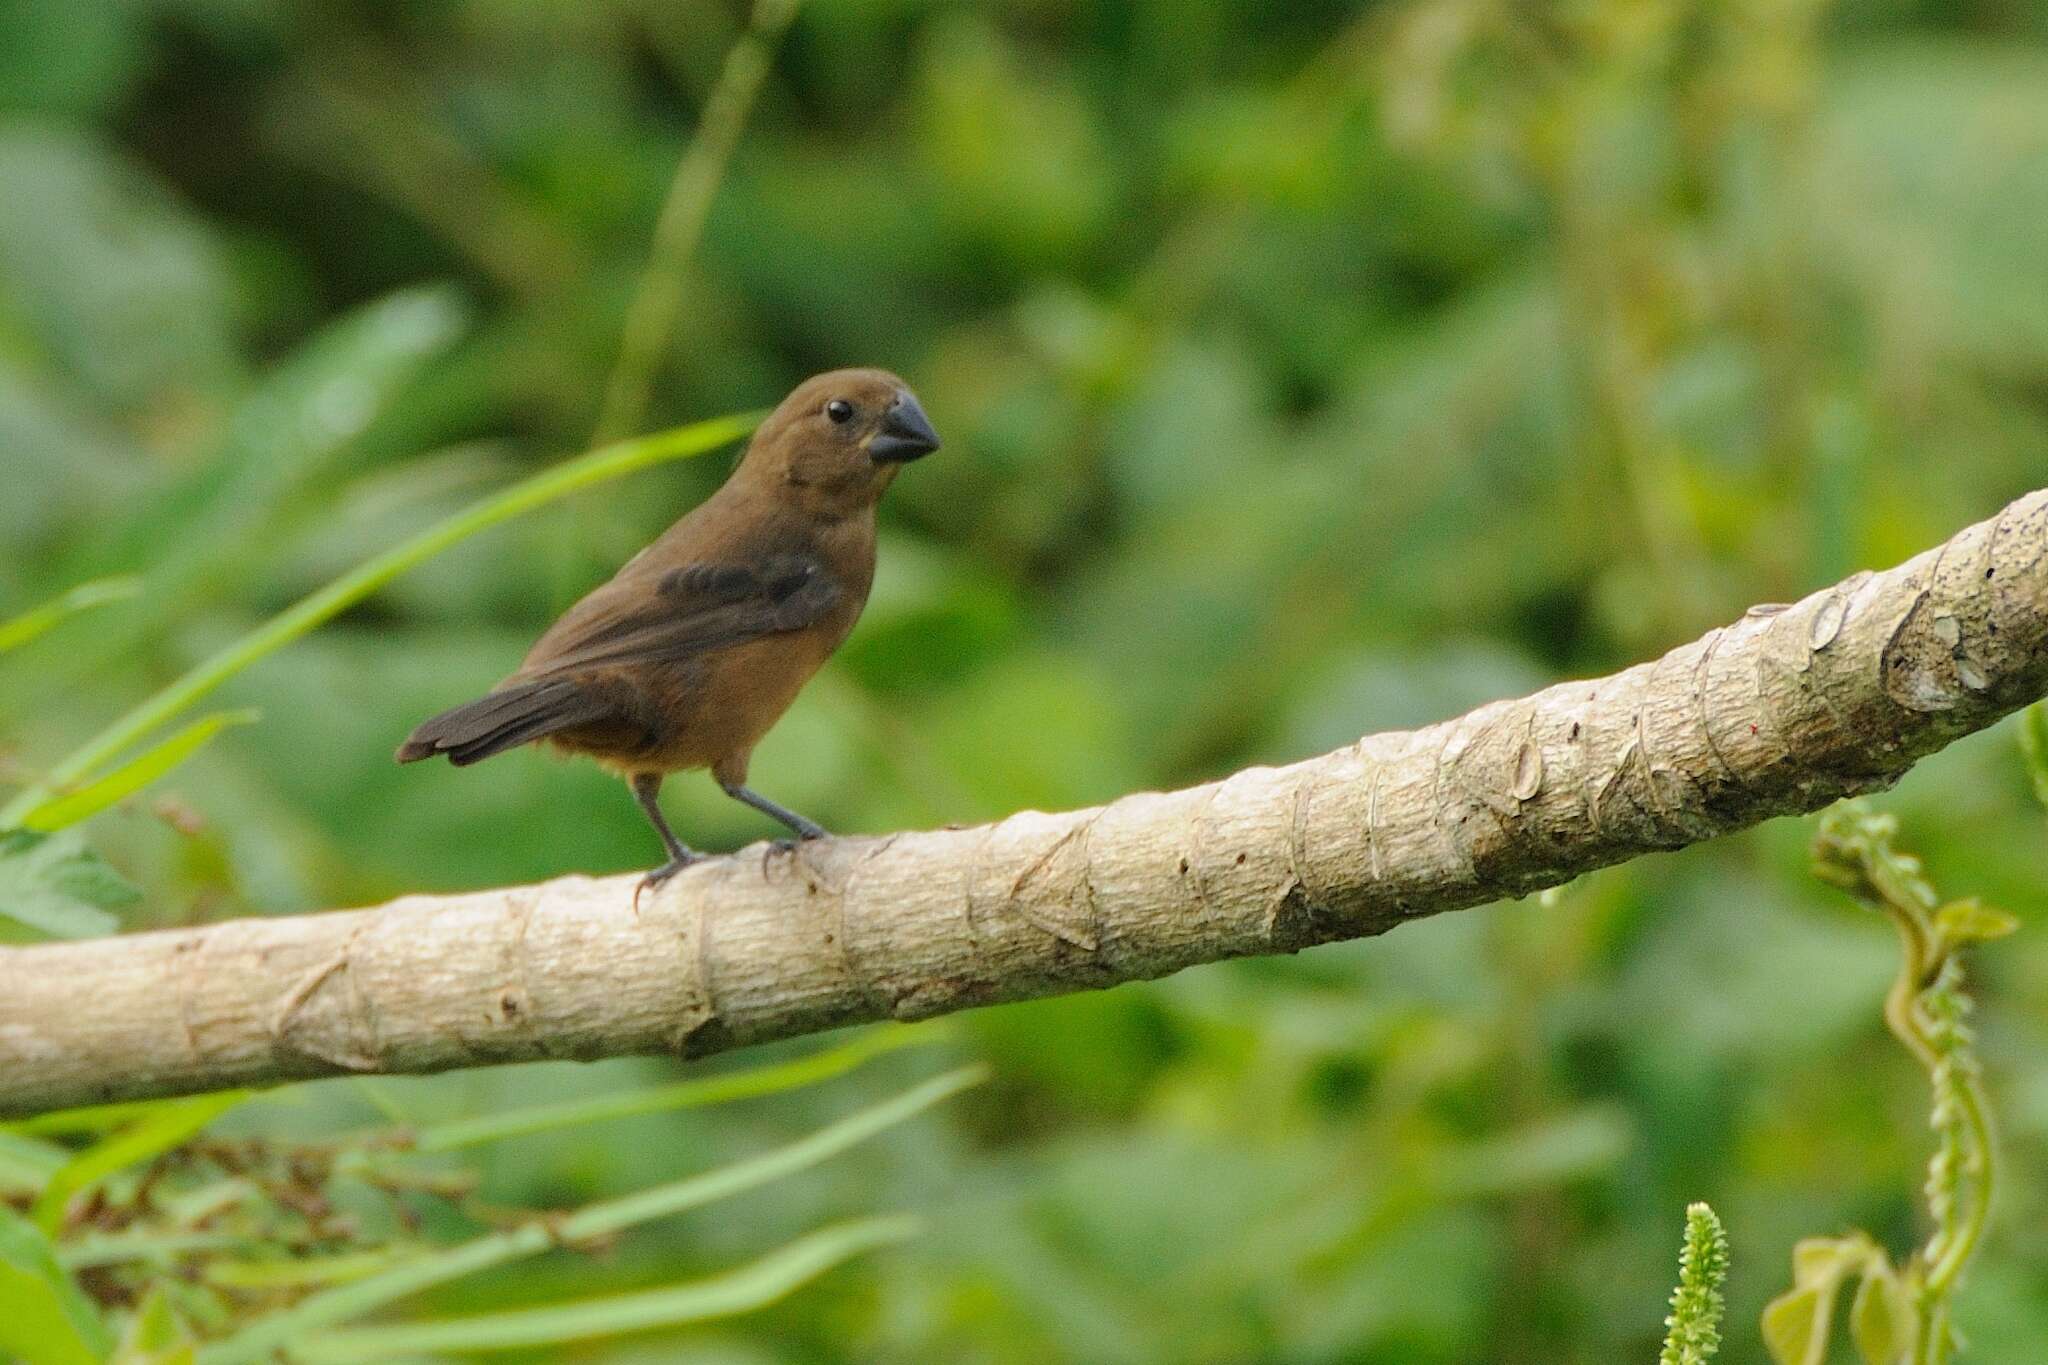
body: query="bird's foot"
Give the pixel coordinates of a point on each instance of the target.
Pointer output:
(776, 846)
(661, 874)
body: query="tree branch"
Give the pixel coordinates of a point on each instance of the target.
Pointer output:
(1781, 712)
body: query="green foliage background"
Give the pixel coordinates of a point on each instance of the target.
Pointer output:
(1305, 370)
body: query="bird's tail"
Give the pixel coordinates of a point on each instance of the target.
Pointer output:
(513, 715)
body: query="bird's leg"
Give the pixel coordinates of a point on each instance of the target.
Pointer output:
(802, 828)
(647, 791)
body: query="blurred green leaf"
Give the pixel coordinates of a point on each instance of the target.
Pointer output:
(155, 1336)
(124, 288)
(26, 1163)
(1971, 921)
(47, 1321)
(160, 1249)
(597, 1220)
(301, 415)
(62, 58)
(2033, 728)
(1014, 147)
(1796, 1326)
(131, 777)
(772, 1277)
(92, 1118)
(752, 1083)
(171, 1124)
(57, 886)
(1825, 1260)
(1880, 1322)
(1938, 153)
(1569, 1146)
(23, 628)
(304, 1272)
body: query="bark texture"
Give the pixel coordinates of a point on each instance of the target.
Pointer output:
(1781, 712)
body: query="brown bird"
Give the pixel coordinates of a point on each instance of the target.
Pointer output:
(700, 643)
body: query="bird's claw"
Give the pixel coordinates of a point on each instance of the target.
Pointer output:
(776, 846)
(653, 880)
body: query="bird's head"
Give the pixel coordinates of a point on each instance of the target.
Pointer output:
(837, 441)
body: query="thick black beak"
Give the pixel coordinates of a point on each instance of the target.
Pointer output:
(906, 433)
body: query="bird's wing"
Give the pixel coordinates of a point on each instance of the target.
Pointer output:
(691, 610)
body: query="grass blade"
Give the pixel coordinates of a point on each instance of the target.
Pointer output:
(173, 1123)
(739, 1085)
(326, 603)
(284, 1270)
(92, 1118)
(651, 315)
(21, 629)
(47, 1320)
(772, 1277)
(121, 1248)
(132, 776)
(257, 1342)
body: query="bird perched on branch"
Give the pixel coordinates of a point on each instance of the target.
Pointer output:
(700, 643)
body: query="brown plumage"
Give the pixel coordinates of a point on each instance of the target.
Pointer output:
(699, 644)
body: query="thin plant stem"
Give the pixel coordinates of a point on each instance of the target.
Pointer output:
(1927, 1010)
(1976, 1113)
(652, 312)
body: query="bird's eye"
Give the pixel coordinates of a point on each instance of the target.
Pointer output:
(839, 410)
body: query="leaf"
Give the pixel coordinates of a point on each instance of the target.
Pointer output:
(26, 1163)
(303, 414)
(2034, 747)
(302, 1271)
(57, 886)
(1880, 1323)
(46, 1321)
(173, 1123)
(691, 1094)
(125, 287)
(260, 1340)
(132, 776)
(1818, 1261)
(1796, 1326)
(156, 1336)
(91, 1118)
(1929, 153)
(21, 629)
(740, 1291)
(1972, 921)
(1572, 1145)
(161, 1249)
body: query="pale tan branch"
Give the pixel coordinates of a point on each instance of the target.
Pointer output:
(1782, 712)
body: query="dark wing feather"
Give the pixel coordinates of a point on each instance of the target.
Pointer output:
(692, 610)
(510, 716)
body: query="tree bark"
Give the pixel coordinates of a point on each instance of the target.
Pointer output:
(1781, 712)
